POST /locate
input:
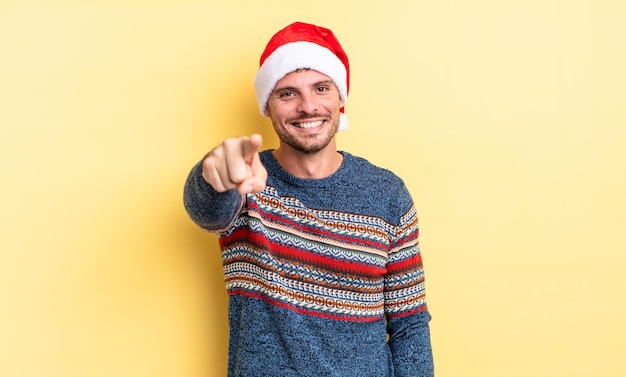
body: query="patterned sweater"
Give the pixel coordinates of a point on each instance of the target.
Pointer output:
(324, 276)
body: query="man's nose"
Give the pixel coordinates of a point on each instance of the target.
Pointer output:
(307, 104)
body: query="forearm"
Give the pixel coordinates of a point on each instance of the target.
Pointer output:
(409, 342)
(208, 208)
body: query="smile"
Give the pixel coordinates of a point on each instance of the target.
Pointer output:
(308, 124)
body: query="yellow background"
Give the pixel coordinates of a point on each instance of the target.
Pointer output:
(506, 119)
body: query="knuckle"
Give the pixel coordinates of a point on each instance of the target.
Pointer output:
(230, 144)
(237, 175)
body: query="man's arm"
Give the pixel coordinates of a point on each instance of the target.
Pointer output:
(208, 208)
(405, 304)
(409, 342)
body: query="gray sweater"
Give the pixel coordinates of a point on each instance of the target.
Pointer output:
(324, 276)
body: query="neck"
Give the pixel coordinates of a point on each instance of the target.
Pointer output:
(310, 166)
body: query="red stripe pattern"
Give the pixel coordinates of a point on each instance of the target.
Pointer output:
(322, 263)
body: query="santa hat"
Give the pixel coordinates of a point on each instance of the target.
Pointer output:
(300, 46)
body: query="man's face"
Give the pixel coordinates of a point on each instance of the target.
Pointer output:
(304, 108)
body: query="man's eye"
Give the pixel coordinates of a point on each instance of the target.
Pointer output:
(286, 94)
(322, 89)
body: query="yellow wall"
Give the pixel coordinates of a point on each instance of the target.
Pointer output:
(506, 119)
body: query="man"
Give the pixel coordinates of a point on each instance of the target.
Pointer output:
(320, 248)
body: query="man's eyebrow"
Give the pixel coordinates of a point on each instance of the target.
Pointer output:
(282, 88)
(324, 82)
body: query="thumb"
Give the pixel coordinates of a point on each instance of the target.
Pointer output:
(258, 180)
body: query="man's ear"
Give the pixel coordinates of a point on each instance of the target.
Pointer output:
(267, 111)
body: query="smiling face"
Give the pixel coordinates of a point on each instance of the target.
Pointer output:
(304, 109)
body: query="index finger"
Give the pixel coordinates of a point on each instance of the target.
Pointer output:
(251, 146)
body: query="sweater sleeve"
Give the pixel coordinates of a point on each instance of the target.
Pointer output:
(405, 305)
(208, 208)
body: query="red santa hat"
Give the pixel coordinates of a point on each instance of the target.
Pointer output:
(300, 46)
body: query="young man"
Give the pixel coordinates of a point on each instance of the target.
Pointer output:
(320, 248)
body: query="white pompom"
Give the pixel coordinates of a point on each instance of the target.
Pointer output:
(343, 122)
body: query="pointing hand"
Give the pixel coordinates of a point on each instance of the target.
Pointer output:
(235, 164)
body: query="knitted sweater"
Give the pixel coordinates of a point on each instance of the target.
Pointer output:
(324, 276)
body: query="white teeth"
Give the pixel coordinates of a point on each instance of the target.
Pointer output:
(309, 124)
